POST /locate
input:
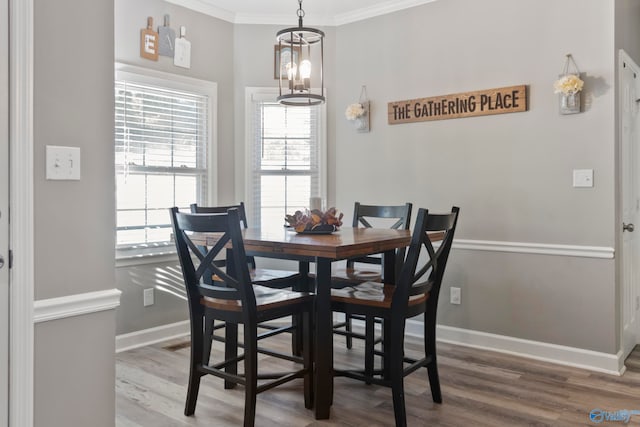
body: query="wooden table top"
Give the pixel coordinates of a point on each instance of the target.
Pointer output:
(344, 243)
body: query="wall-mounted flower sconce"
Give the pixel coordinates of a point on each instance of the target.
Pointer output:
(358, 113)
(569, 86)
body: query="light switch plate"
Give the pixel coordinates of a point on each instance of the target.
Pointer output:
(455, 295)
(583, 177)
(63, 163)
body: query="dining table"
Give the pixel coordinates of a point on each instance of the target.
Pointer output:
(322, 249)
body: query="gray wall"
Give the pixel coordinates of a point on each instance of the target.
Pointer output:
(627, 18)
(74, 220)
(510, 174)
(73, 106)
(211, 59)
(253, 63)
(75, 372)
(169, 306)
(227, 65)
(627, 38)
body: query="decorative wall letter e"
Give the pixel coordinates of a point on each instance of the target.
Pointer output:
(149, 41)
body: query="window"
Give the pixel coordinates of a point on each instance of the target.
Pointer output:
(163, 134)
(286, 160)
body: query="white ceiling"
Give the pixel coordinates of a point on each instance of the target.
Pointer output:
(282, 12)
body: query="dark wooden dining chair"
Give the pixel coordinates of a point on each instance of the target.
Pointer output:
(234, 299)
(272, 278)
(415, 293)
(369, 268)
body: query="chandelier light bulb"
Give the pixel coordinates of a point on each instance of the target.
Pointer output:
(291, 70)
(305, 69)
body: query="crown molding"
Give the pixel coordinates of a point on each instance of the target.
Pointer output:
(288, 19)
(207, 8)
(377, 10)
(389, 6)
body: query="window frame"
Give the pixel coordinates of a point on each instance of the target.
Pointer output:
(161, 79)
(269, 94)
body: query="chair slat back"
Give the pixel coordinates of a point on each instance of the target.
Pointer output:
(235, 280)
(363, 215)
(242, 213)
(409, 283)
(195, 208)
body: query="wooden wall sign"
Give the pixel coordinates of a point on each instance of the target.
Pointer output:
(149, 41)
(502, 100)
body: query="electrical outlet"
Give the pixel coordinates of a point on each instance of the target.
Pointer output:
(583, 177)
(455, 295)
(147, 299)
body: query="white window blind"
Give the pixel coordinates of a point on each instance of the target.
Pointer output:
(286, 160)
(161, 139)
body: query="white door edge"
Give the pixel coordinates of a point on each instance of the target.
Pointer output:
(4, 219)
(21, 329)
(629, 123)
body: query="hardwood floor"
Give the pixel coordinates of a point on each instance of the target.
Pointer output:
(480, 388)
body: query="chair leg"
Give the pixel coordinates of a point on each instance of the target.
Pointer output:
(301, 285)
(307, 349)
(194, 363)
(231, 351)
(208, 339)
(369, 344)
(396, 359)
(434, 380)
(251, 374)
(347, 327)
(432, 367)
(192, 391)
(386, 347)
(297, 335)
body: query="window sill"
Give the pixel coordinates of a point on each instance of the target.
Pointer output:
(129, 258)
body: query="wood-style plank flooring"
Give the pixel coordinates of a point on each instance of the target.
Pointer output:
(480, 388)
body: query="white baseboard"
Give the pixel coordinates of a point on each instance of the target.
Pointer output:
(150, 336)
(612, 364)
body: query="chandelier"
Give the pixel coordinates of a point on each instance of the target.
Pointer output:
(300, 55)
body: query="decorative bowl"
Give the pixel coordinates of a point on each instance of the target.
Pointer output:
(315, 221)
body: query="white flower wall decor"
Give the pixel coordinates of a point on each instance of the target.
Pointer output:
(569, 86)
(354, 111)
(358, 112)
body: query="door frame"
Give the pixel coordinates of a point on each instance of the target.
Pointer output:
(625, 291)
(4, 217)
(21, 228)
